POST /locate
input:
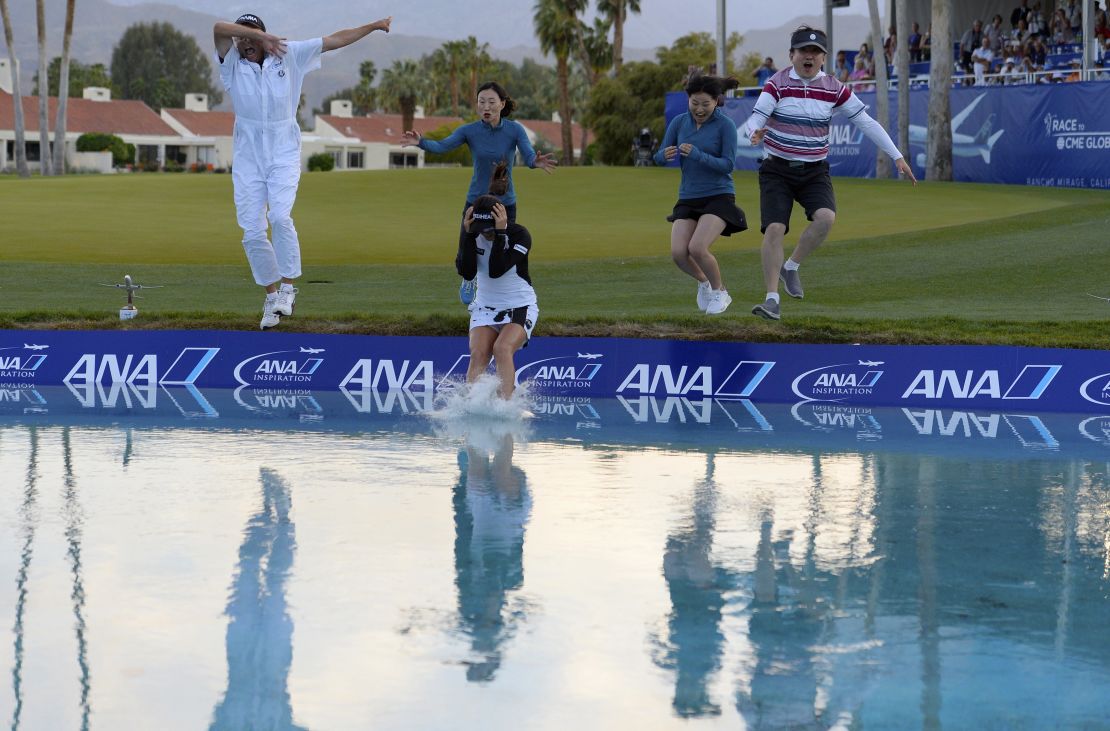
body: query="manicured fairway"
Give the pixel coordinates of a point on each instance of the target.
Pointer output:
(934, 263)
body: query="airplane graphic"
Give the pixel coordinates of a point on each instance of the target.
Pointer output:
(312, 350)
(871, 363)
(589, 356)
(35, 347)
(963, 145)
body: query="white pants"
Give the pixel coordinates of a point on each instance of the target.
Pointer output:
(266, 170)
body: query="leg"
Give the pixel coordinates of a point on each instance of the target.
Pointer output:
(815, 234)
(282, 186)
(250, 212)
(682, 231)
(511, 338)
(708, 229)
(771, 255)
(481, 349)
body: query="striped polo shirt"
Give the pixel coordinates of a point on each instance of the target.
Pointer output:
(797, 113)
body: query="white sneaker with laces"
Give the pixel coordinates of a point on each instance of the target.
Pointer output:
(270, 317)
(718, 302)
(286, 299)
(704, 288)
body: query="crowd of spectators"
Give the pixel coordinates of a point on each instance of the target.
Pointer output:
(1025, 52)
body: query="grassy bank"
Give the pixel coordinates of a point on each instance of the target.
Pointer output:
(938, 263)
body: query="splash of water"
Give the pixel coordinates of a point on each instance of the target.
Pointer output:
(476, 413)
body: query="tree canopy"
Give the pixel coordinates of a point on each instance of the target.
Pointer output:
(80, 77)
(158, 64)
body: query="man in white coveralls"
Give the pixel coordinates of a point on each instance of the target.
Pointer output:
(263, 74)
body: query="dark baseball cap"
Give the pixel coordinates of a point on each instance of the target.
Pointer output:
(482, 219)
(809, 37)
(252, 20)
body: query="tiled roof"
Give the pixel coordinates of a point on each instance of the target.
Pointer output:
(119, 117)
(205, 124)
(382, 127)
(553, 131)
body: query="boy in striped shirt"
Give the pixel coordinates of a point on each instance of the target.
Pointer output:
(791, 119)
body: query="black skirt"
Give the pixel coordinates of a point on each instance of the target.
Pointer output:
(722, 206)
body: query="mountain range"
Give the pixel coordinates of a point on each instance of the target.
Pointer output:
(99, 24)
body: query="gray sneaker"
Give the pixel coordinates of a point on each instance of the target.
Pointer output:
(791, 281)
(769, 309)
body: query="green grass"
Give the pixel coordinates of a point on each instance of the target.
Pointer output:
(932, 264)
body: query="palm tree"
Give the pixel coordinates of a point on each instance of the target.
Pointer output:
(595, 57)
(451, 56)
(46, 160)
(938, 150)
(616, 12)
(883, 166)
(17, 96)
(63, 94)
(476, 58)
(404, 84)
(902, 71)
(558, 29)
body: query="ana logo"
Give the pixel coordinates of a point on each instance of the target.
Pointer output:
(1029, 384)
(565, 371)
(1097, 389)
(385, 374)
(280, 367)
(109, 368)
(741, 381)
(21, 365)
(838, 382)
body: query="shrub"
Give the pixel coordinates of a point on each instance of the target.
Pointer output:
(460, 155)
(321, 161)
(122, 152)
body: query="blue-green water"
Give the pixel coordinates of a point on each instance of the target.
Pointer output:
(282, 560)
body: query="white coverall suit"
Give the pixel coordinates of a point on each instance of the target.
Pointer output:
(266, 161)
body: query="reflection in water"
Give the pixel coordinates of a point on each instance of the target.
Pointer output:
(492, 504)
(696, 587)
(785, 622)
(74, 520)
(28, 514)
(812, 583)
(260, 630)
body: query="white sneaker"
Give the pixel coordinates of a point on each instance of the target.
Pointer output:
(286, 298)
(270, 317)
(704, 288)
(718, 302)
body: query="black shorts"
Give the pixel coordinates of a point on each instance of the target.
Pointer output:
(722, 206)
(781, 182)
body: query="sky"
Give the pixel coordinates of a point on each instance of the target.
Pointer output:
(508, 22)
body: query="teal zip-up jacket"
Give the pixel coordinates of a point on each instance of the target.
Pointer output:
(488, 146)
(707, 170)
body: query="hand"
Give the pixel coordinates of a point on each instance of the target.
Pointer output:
(500, 217)
(546, 162)
(382, 24)
(670, 153)
(757, 136)
(468, 218)
(685, 148)
(410, 138)
(905, 169)
(273, 45)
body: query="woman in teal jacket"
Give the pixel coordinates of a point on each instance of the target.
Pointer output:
(492, 138)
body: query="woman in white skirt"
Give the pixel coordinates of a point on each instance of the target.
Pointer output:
(504, 311)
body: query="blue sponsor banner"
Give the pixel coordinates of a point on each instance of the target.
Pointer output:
(1032, 134)
(1003, 378)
